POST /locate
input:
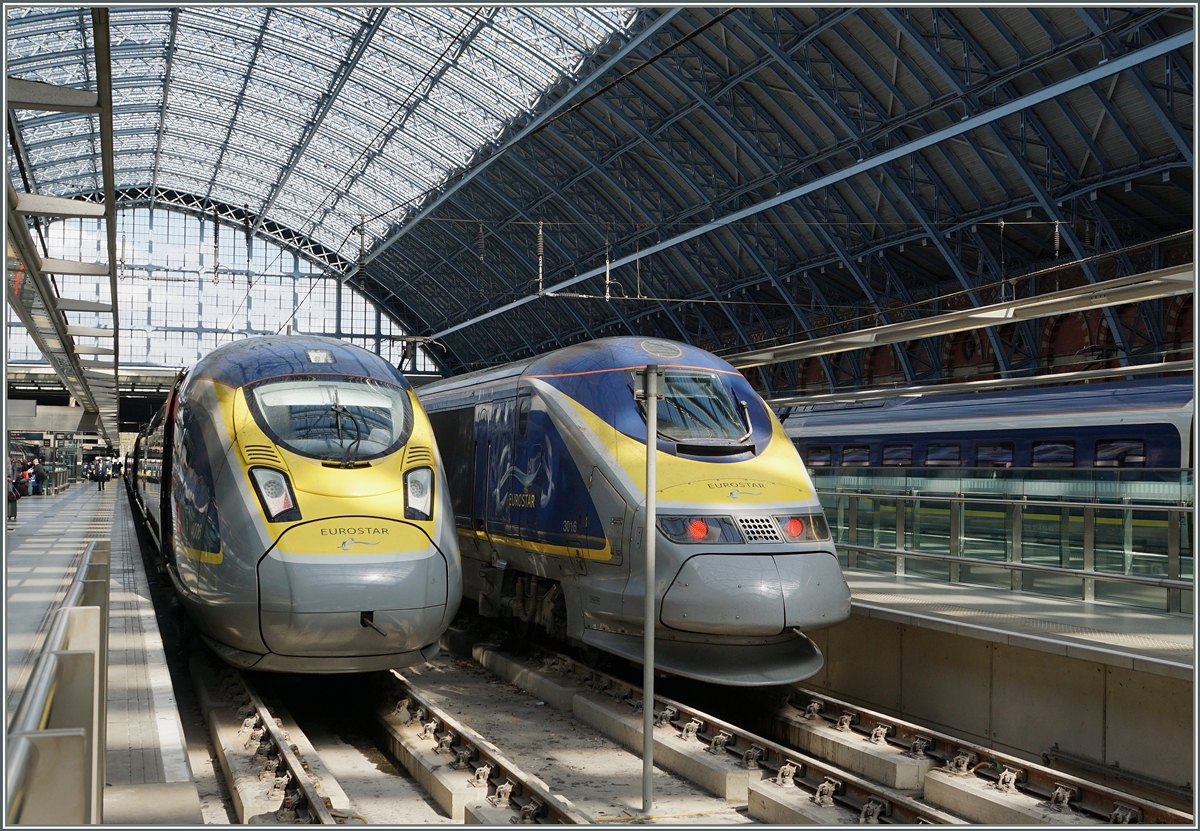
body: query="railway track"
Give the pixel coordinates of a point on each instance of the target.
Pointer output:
(539, 737)
(855, 750)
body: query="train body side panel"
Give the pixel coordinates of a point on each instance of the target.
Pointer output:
(217, 577)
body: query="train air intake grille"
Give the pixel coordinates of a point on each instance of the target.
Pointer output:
(261, 454)
(419, 456)
(759, 529)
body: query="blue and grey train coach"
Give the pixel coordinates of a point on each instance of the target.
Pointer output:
(295, 492)
(1125, 424)
(545, 460)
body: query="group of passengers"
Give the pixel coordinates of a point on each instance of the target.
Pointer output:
(29, 479)
(24, 479)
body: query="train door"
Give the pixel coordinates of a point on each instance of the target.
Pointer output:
(615, 519)
(530, 475)
(167, 538)
(607, 569)
(482, 450)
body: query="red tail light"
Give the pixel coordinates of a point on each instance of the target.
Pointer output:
(698, 529)
(794, 527)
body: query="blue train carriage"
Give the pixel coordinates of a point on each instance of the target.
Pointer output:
(546, 466)
(1139, 424)
(304, 516)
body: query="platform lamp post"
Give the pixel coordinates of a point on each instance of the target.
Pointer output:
(650, 395)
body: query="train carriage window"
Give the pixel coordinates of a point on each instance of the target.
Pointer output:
(856, 456)
(943, 455)
(1054, 454)
(819, 456)
(1121, 453)
(994, 454)
(898, 455)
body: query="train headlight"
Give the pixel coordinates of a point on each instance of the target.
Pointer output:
(418, 493)
(803, 527)
(699, 529)
(275, 493)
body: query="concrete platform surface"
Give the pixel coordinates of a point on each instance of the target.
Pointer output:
(42, 552)
(146, 744)
(148, 778)
(1105, 633)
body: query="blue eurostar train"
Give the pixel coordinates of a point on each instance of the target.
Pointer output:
(1144, 423)
(545, 461)
(294, 490)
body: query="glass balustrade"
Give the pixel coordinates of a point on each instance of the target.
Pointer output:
(1066, 533)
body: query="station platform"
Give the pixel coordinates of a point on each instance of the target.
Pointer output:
(1095, 688)
(1106, 633)
(148, 778)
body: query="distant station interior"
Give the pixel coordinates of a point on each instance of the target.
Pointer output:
(950, 249)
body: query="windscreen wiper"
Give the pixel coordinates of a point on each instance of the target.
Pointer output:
(339, 410)
(661, 433)
(744, 410)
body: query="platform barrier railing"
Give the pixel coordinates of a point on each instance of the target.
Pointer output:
(57, 480)
(1134, 554)
(54, 770)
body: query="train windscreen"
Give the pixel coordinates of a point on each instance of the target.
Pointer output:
(335, 420)
(698, 406)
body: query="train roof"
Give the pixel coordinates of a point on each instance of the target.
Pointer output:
(1139, 394)
(602, 354)
(255, 359)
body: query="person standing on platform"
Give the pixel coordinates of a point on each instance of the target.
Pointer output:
(101, 475)
(39, 477)
(13, 496)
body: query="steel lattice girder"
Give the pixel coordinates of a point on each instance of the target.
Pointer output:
(762, 101)
(942, 206)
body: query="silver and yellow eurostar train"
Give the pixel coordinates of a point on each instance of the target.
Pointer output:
(545, 461)
(295, 492)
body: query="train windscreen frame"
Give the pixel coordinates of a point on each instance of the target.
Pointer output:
(342, 419)
(698, 407)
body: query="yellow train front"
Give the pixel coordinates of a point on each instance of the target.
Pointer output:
(305, 520)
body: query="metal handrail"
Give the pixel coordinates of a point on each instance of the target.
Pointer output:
(1024, 503)
(1161, 582)
(54, 770)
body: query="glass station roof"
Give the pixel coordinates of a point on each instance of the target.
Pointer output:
(308, 117)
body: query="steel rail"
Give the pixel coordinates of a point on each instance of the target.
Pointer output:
(295, 767)
(1037, 780)
(507, 784)
(1034, 780)
(868, 799)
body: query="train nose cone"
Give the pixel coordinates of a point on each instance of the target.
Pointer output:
(320, 578)
(756, 595)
